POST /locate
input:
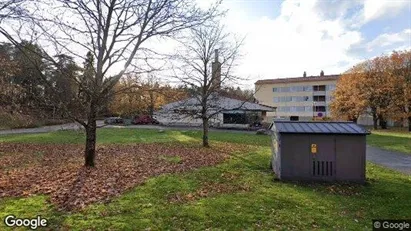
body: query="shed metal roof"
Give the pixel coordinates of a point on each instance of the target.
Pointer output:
(318, 127)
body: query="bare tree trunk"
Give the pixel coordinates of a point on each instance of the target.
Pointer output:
(375, 121)
(409, 123)
(152, 105)
(383, 122)
(151, 110)
(91, 128)
(205, 132)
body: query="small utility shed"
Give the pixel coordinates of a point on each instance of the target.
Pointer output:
(325, 151)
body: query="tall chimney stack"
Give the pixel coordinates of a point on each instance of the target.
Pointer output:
(305, 74)
(216, 71)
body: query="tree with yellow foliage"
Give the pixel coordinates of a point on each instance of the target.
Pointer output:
(135, 96)
(401, 71)
(379, 87)
(346, 104)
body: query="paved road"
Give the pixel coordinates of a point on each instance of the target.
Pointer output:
(69, 126)
(394, 160)
(52, 128)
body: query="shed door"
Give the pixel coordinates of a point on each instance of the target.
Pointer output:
(322, 157)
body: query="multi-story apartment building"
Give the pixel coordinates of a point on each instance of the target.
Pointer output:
(301, 98)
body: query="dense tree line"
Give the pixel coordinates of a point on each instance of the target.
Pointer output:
(24, 90)
(143, 96)
(380, 87)
(238, 93)
(27, 80)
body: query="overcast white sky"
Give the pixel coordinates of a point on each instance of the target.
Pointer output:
(286, 38)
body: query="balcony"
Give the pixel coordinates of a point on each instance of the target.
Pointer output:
(319, 90)
(319, 93)
(319, 98)
(319, 103)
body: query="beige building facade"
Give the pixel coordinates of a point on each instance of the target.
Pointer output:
(301, 98)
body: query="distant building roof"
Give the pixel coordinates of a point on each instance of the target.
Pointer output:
(298, 79)
(233, 104)
(218, 102)
(318, 127)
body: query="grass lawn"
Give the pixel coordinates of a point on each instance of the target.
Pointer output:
(391, 140)
(127, 136)
(237, 194)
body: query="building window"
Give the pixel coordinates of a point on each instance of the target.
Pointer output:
(294, 118)
(275, 89)
(293, 109)
(300, 108)
(285, 89)
(237, 118)
(283, 99)
(319, 88)
(297, 88)
(331, 87)
(319, 98)
(284, 109)
(319, 108)
(307, 88)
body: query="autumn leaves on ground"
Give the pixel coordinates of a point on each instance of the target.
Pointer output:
(145, 179)
(57, 170)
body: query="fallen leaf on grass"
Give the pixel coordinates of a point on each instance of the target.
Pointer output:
(59, 171)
